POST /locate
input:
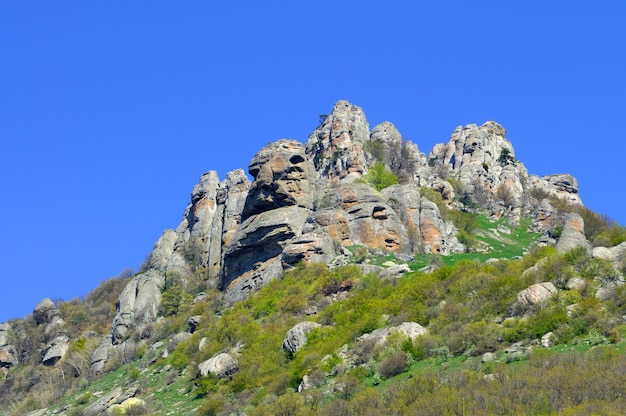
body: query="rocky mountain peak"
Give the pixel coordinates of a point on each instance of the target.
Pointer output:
(337, 145)
(310, 202)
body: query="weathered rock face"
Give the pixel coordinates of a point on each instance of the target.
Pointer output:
(533, 297)
(55, 350)
(8, 352)
(138, 303)
(484, 163)
(45, 312)
(308, 203)
(337, 145)
(573, 234)
(277, 206)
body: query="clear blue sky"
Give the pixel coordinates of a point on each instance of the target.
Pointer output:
(111, 111)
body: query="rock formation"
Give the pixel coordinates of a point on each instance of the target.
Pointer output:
(221, 365)
(8, 352)
(309, 202)
(297, 336)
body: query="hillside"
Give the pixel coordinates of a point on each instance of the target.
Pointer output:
(353, 274)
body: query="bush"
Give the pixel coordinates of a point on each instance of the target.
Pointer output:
(393, 365)
(379, 177)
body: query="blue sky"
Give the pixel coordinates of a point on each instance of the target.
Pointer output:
(111, 111)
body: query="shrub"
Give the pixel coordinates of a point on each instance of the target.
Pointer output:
(379, 177)
(393, 365)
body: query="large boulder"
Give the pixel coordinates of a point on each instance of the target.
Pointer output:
(222, 365)
(45, 312)
(297, 336)
(410, 330)
(138, 303)
(533, 297)
(573, 234)
(8, 352)
(55, 350)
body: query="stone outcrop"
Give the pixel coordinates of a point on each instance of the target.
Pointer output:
(533, 297)
(222, 365)
(8, 352)
(309, 202)
(297, 336)
(410, 330)
(55, 350)
(337, 145)
(45, 312)
(573, 234)
(483, 161)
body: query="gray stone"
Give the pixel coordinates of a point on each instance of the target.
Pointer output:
(395, 272)
(45, 312)
(576, 283)
(573, 234)
(5, 329)
(547, 340)
(297, 336)
(103, 403)
(489, 357)
(603, 253)
(533, 297)
(337, 145)
(55, 350)
(221, 365)
(193, 323)
(8, 356)
(138, 303)
(178, 339)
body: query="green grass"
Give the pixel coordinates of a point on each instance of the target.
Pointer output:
(492, 244)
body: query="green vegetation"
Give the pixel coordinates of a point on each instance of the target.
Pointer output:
(506, 158)
(466, 308)
(379, 177)
(467, 304)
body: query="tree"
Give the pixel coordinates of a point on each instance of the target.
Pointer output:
(506, 158)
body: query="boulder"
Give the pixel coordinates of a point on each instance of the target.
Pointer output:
(297, 336)
(193, 323)
(395, 272)
(603, 253)
(132, 405)
(103, 403)
(489, 357)
(547, 340)
(178, 339)
(8, 356)
(573, 234)
(138, 303)
(410, 330)
(576, 283)
(533, 297)
(55, 350)
(221, 365)
(45, 312)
